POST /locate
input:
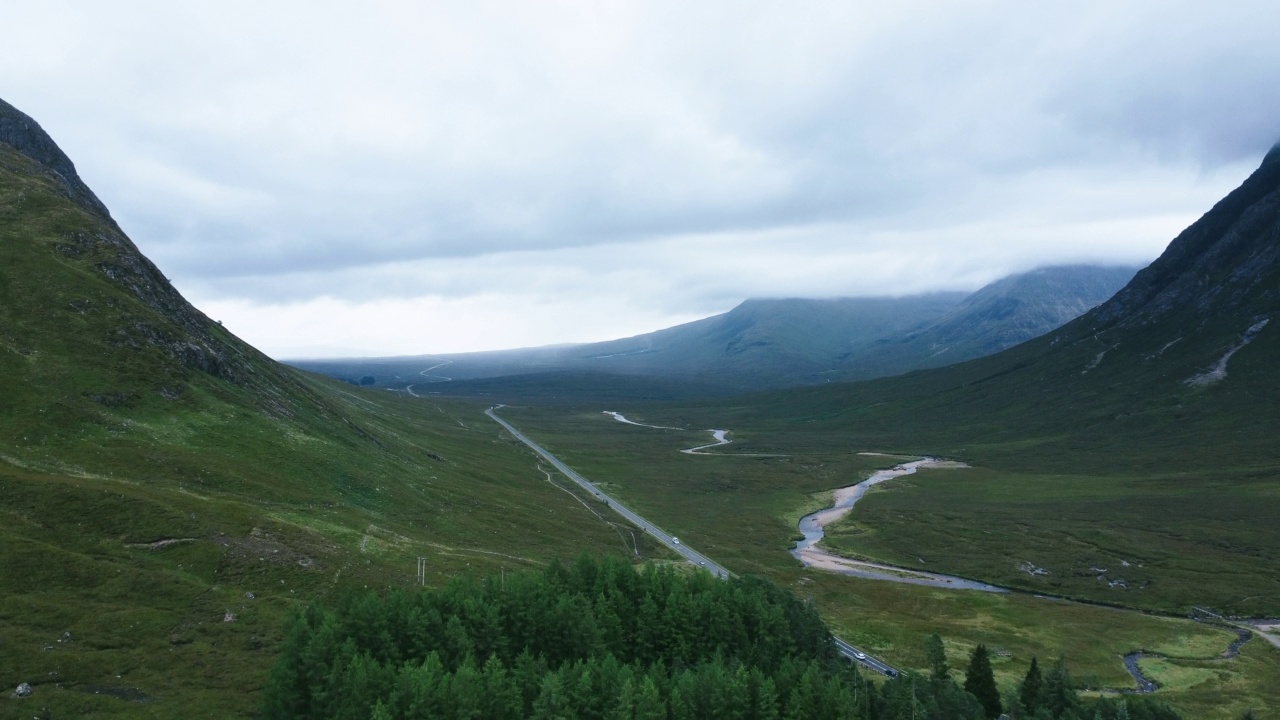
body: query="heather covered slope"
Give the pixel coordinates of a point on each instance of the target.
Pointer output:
(168, 493)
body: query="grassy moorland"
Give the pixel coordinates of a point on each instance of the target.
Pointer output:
(140, 561)
(1177, 481)
(168, 495)
(742, 511)
(1156, 541)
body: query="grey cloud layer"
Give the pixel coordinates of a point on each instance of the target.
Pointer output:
(294, 152)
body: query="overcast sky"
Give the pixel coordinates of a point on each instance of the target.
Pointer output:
(342, 179)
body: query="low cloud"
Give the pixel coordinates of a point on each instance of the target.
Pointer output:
(658, 160)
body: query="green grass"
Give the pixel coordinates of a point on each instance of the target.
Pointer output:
(154, 617)
(1187, 541)
(1190, 646)
(291, 488)
(280, 484)
(741, 511)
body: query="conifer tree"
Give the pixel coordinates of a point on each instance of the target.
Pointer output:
(502, 697)
(649, 704)
(553, 702)
(1029, 691)
(765, 700)
(980, 681)
(625, 706)
(937, 654)
(1056, 694)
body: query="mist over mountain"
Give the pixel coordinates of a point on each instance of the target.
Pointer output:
(780, 342)
(998, 316)
(1181, 356)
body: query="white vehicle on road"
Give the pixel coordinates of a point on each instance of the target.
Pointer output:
(675, 540)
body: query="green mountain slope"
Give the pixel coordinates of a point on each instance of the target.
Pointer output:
(1143, 433)
(168, 494)
(1138, 366)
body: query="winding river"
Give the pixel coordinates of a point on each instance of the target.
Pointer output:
(813, 525)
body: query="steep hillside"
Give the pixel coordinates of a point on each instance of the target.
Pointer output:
(168, 494)
(1184, 347)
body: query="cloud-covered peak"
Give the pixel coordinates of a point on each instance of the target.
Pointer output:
(272, 156)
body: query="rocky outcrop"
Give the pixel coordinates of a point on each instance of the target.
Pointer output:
(196, 346)
(1013, 310)
(187, 335)
(27, 137)
(1225, 261)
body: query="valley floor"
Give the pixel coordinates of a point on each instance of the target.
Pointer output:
(743, 509)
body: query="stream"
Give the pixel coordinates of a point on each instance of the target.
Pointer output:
(812, 527)
(1146, 685)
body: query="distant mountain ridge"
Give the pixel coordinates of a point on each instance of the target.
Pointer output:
(1186, 350)
(767, 342)
(1002, 314)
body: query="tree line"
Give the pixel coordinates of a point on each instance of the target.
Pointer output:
(601, 639)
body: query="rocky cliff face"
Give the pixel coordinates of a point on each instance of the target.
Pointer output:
(25, 135)
(1224, 263)
(42, 233)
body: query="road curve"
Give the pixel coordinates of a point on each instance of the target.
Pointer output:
(693, 556)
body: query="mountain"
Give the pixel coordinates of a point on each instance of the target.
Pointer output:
(759, 343)
(998, 316)
(1188, 345)
(765, 343)
(1140, 436)
(169, 495)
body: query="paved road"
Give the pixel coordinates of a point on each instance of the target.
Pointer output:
(665, 538)
(693, 556)
(876, 664)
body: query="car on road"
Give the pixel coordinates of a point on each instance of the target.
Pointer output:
(702, 562)
(860, 656)
(675, 540)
